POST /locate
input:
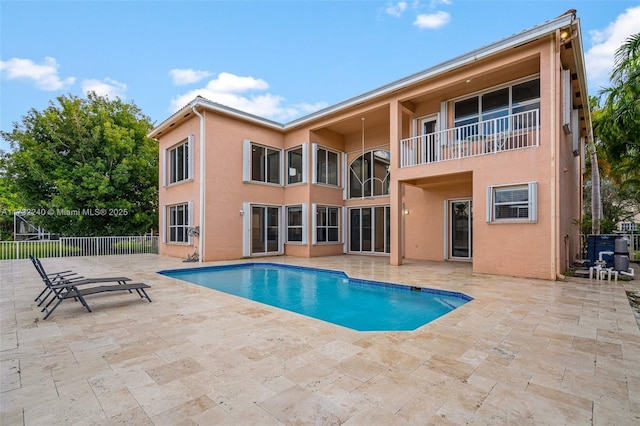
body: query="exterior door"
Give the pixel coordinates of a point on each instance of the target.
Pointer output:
(427, 126)
(265, 230)
(460, 227)
(369, 229)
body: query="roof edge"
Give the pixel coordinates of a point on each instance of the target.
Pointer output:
(512, 41)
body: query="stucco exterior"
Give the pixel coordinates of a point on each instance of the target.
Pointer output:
(432, 194)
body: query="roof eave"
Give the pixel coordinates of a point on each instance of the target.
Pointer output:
(200, 102)
(507, 43)
(515, 40)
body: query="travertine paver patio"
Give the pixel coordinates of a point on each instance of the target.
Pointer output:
(523, 352)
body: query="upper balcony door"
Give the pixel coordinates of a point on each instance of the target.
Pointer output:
(428, 126)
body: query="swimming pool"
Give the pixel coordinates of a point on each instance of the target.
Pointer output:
(328, 295)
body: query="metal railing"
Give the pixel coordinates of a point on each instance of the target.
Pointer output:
(79, 246)
(501, 134)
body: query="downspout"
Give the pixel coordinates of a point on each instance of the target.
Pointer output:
(553, 136)
(202, 188)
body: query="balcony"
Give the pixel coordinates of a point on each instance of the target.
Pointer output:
(508, 133)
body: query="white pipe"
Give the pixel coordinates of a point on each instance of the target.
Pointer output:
(202, 188)
(629, 273)
(609, 253)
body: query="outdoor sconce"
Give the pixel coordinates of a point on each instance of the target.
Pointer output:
(241, 212)
(406, 211)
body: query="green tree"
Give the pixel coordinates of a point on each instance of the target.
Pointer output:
(617, 123)
(9, 202)
(87, 166)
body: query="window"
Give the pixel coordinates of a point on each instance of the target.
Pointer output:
(261, 163)
(514, 203)
(296, 219)
(326, 166)
(178, 223)
(296, 165)
(369, 174)
(178, 161)
(265, 164)
(327, 224)
(506, 101)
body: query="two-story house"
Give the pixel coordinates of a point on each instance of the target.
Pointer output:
(478, 159)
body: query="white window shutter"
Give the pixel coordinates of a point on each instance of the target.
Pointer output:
(314, 223)
(566, 101)
(283, 169)
(575, 118)
(489, 204)
(345, 176)
(343, 228)
(190, 219)
(443, 122)
(190, 148)
(533, 202)
(305, 220)
(314, 162)
(163, 229)
(246, 160)
(164, 167)
(246, 229)
(305, 161)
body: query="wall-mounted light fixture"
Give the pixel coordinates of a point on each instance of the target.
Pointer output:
(406, 211)
(241, 212)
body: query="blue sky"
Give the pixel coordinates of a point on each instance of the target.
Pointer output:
(276, 59)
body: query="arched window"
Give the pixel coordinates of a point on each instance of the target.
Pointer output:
(369, 174)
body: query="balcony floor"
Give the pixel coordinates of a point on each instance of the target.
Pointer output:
(523, 352)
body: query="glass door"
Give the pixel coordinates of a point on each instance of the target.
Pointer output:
(265, 229)
(427, 126)
(369, 229)
(460, 226)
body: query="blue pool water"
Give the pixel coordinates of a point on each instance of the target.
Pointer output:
(328, 295)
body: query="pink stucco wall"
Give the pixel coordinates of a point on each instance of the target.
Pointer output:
(537, 250)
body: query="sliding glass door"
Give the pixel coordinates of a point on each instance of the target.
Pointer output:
(369, 229)
(265, 229)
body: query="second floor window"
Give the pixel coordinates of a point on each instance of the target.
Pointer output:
(262, 163)
(498, 103)
(369, 174)
(296, 165)
(326, 167)
(178, 162)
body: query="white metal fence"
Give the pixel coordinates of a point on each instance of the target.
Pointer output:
(79, 246)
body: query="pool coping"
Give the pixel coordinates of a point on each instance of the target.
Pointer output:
(403, 287)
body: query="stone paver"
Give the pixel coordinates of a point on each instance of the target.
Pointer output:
(522, 352)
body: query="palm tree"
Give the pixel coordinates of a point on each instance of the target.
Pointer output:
(617, 124)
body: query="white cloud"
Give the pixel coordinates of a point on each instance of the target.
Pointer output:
(600, 58)
(108, 87)
(235, 92)
(432, 20)
(187, 76)
(45, 75)
(396, 9)
(436, 3)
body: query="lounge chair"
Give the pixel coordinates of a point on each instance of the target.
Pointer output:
(67, 277)
(63, 289)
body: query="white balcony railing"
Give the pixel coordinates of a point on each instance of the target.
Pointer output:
(501, 134)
